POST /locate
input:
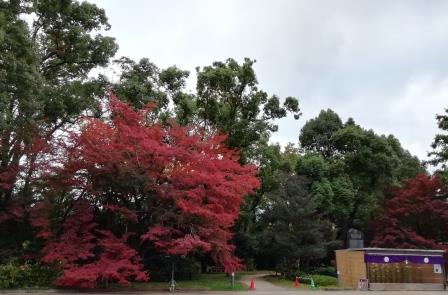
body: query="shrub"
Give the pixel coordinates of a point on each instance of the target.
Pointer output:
(27, 275)
(323, 280)
(319, 280)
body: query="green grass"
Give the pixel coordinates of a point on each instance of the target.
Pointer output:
(276, 280)
(205, 282)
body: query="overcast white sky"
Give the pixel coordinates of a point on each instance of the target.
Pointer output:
(384, 63)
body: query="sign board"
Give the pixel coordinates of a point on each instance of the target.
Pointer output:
(363, 284)
(437, 268)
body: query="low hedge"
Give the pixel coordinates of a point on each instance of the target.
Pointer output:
(324, 280)
(319, 280)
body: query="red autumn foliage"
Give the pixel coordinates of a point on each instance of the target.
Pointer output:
(7, 177)
(415, 216)
(124, 212)
(176, 190)
(25, 165)
(13, 211)
(88, 256)
(116, 262)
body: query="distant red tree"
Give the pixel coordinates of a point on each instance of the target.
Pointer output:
(415, 215)
(175, 190)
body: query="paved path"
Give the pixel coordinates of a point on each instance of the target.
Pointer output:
(263, 285)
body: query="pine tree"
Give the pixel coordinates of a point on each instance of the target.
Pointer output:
(293, 232)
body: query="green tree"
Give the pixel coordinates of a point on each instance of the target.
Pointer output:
(337, 196)
(350, 168)
(143, 82)
(69, 46)
(44, 87)
(19, 86)
(440, 145)
(45, 83)
(229, 100)
(313, 166)
(292, 232)
(316, 135)
(272, 162)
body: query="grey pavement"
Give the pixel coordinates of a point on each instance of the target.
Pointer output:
(262, 285)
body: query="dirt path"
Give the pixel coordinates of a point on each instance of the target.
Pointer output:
(261, 284)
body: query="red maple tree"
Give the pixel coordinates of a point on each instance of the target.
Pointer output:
(173, 189)
(415, 215)
(17, 175)
(87, 255)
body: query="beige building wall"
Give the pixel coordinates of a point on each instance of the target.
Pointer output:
(351, 267)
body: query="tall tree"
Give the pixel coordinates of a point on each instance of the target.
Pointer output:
(172, 190)
(19, 91)
(440, 145)
(44, 87)
(292, 232)
(45, 83)
(351, 167)
(272, 163)
(142, 82)
(317, 134)
(229, 100)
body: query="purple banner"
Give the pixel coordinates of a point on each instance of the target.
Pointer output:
(384, 258)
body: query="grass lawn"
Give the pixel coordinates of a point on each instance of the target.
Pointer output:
(276, 280)
(206, 282)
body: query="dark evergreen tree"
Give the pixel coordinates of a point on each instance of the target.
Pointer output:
(292, 233)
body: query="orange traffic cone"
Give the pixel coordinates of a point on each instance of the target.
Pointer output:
(252, 285)
(296, 282)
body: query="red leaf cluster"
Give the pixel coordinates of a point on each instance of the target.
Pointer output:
(415, 216)
(116, 262)
(124, 212)
(178, 190)
(8, 176)
(88, 256)
(13, 211)
(26, 164)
